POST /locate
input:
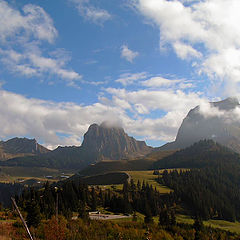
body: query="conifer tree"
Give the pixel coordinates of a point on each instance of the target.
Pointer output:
(33, 214)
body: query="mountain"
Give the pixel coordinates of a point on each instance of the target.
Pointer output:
(222, 128)
(100, 142)
(111, 142)
(205, 153)
(17, 147)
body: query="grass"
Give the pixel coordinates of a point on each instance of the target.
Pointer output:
(14, 174)
(141, 176)
(149, 178)
(221, 224)
(111, 187)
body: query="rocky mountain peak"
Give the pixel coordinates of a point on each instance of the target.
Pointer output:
(109, 141)
(196, 126)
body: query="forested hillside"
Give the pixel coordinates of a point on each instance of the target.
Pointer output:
(207, 192)
(210, 189)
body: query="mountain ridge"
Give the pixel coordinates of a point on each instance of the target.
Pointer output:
(101, 142)
(19, 147)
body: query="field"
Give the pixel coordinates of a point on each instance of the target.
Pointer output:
(149, 178)
(146, 176)
(221, 224)
(141, 176)
(16, 174)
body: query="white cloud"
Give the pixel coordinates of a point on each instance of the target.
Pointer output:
(127, 79)
(34, 21)
(208, 110)
(160, 82)
(130, 78)
(166, 100)
(91, 13)
(128, 54)
(206, 31)
(185, 51)
(21, 36)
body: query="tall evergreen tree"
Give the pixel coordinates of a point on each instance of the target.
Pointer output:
(33, 214)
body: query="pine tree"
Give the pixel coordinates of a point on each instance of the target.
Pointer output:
(164, 217)
(148, 215)
(82, 213)
(33, 214)
(94, 199)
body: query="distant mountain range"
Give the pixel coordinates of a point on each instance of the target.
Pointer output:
(101, 142)
(111, 143)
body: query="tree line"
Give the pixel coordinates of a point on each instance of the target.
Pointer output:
(76, 196)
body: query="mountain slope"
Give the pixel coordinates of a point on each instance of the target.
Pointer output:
(222, 127)
(205, 153)
(17, 147)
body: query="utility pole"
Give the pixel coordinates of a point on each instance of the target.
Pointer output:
(56, 189)
(22, 219)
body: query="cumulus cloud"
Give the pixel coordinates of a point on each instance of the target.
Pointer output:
(160, 82)
(185, 51)
(91, 13)
(33, 20)
(21, 36)
(150, 81)
(128, 54)
(166, 100)
(130, 78)
(205, 31)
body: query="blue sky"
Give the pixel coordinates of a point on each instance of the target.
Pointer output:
(142, 64)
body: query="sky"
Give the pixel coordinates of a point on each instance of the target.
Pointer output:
(142, 64)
